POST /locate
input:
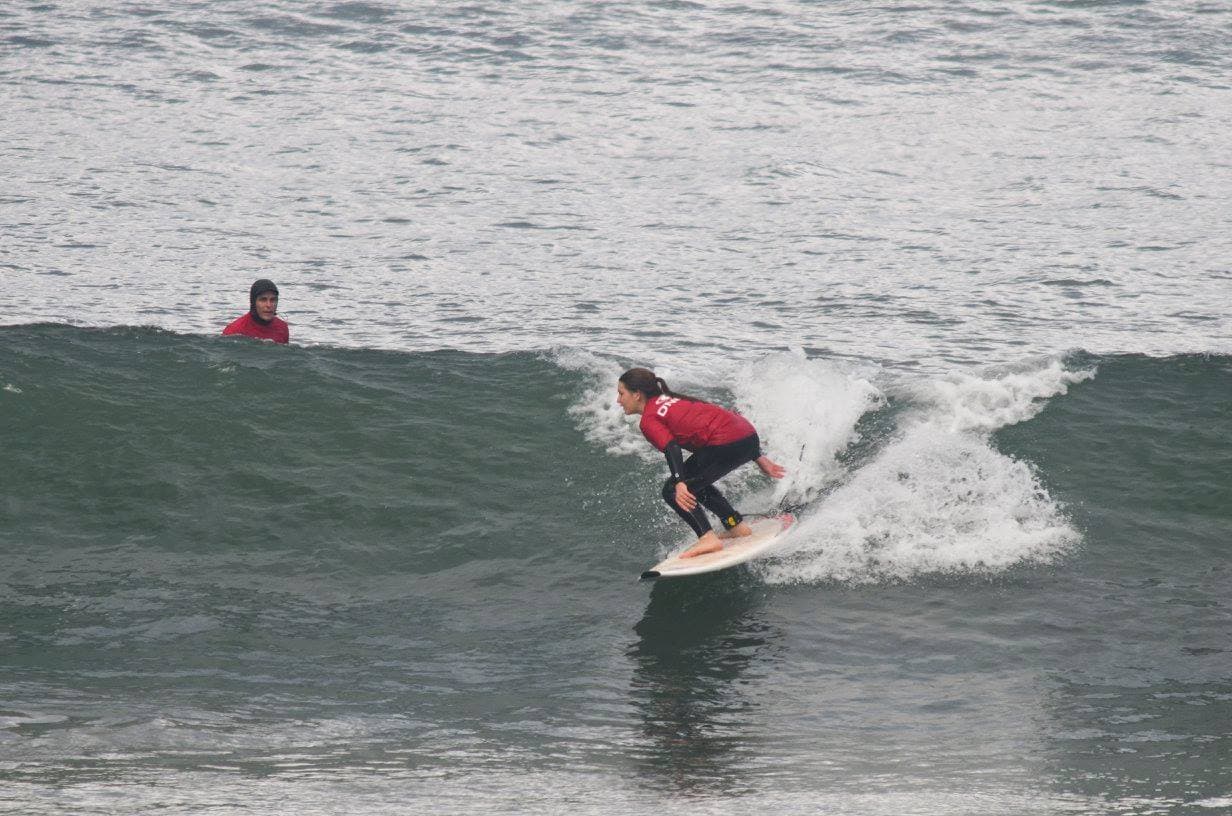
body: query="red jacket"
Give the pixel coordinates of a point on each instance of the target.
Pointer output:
(248, 326)
(691, 424)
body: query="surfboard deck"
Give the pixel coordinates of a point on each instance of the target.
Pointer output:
(766, 532)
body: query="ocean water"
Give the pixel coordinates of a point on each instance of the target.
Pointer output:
(965, 266)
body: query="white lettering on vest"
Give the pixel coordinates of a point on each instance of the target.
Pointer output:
(663, 406)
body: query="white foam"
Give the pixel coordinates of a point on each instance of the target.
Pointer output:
(805, 412)
(1215, 802)
(964, 402)
(930, 503)
(18, 719)
(596, 412)
(939, 498)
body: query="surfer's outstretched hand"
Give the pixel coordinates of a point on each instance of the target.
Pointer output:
(771, 468)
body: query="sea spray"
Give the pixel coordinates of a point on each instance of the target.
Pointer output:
(806, 412)
(970, 403)
(938, 497)
(595, 411)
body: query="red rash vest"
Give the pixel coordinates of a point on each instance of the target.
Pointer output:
(248, 326)
(690, 424)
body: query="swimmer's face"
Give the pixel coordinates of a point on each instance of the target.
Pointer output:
(266, 305)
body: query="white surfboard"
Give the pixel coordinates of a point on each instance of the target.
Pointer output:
(766, 532)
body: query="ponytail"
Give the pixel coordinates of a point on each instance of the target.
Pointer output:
(645, 382)
(663, 387)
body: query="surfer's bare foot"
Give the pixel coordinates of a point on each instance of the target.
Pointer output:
(739, 531)
(706, 544)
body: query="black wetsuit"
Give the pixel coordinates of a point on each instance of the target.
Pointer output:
(700, 472)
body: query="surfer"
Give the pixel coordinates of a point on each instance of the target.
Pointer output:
(720, 441)
(261, 320)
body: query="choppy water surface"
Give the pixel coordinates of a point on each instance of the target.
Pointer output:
(929, 182)
(965, 266)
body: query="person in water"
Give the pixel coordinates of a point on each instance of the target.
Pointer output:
(720, 441)
(261, 321)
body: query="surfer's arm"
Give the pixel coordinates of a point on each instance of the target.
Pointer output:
(675, 460)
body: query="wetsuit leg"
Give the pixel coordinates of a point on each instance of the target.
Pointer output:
(695, 518)
(701, 471)
(717, 503)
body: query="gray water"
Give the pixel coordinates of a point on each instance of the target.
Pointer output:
(945, 184)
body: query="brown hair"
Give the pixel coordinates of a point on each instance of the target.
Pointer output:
(644, 382)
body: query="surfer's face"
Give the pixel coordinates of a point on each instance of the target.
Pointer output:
(266, 305)
(631, 401)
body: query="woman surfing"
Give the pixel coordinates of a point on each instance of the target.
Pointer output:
(720, 441)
